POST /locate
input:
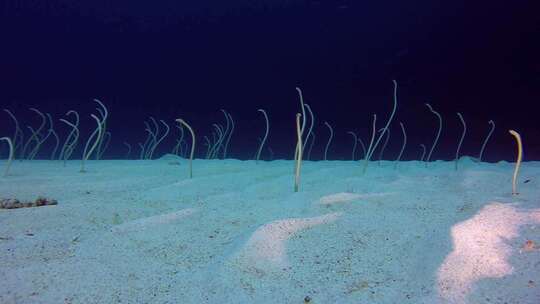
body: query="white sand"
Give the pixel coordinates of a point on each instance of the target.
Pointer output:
(141, 232)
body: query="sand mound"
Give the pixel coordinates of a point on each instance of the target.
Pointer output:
(170, 157)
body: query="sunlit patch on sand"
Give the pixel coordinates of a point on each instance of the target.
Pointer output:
(481, 249)
(152, 221)
(267, 245)
(345, 197)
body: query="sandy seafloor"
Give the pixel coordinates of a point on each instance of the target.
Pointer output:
(142, 232)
